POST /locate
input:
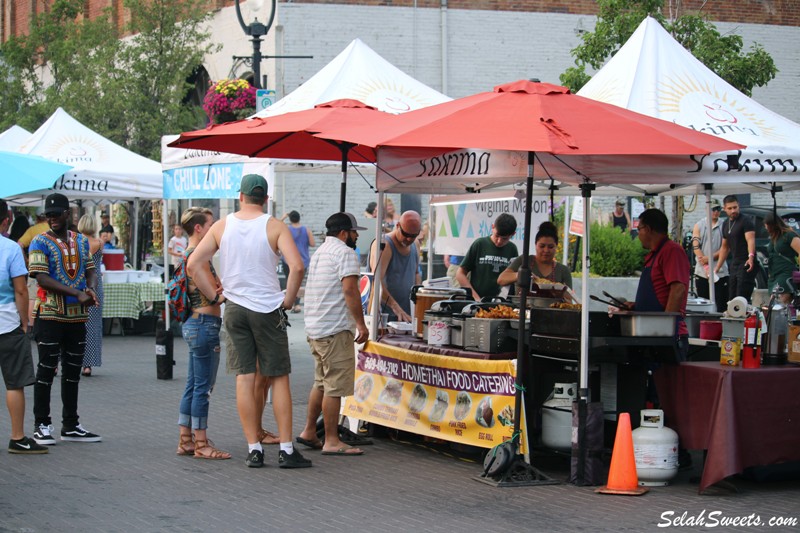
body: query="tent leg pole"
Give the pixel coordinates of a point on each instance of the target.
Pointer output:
(429, 243)
(520, 473)
(583, 367)
(343, 190)
(164, 255)
(709, 252)
(376, 274)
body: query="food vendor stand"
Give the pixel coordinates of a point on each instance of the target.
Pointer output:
(565, 136)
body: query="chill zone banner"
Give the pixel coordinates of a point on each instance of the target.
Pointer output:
(470, 401)
(458, 225)
(220, 180)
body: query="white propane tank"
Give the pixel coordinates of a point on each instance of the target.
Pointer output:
(656, 450)
(557, 417)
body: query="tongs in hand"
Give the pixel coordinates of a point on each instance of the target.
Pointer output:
(619, 303)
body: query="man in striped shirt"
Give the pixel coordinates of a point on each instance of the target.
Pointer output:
(332, 286)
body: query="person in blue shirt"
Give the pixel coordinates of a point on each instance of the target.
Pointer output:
(16, 360)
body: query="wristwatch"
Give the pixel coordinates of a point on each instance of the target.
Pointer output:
(215, 301)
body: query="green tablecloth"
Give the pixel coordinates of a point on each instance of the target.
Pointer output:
(128, 300)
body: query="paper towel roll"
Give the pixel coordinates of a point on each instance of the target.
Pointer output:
(737, 308)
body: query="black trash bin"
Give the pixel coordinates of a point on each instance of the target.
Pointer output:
(164, 356)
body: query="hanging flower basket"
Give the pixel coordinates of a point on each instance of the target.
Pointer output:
(229, 100)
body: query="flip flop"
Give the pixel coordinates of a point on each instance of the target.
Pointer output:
(268, 438)
(314, 445)
(343, 451)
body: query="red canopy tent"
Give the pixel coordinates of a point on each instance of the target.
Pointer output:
(571, 138)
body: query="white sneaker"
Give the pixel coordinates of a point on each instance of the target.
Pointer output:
(44, 435)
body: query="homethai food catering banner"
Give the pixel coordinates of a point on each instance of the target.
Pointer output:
(470, 401)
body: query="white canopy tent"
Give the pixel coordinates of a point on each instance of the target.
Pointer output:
(654, 75)
(359, 73)
(13, 138)
(101, 169)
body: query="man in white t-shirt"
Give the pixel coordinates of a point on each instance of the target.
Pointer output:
(16, 360)
(176, 247)
(331, 288)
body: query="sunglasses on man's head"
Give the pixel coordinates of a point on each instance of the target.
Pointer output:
(406, 234)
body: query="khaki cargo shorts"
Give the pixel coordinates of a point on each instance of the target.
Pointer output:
(334, 363)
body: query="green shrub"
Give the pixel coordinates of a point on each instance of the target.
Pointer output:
(613, 253)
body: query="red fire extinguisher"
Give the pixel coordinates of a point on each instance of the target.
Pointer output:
(751, 349)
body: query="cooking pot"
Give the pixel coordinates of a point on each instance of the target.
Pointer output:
(422, 298)
(438, 317)
(457, 330)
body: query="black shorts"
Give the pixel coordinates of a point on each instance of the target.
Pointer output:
(16, 360)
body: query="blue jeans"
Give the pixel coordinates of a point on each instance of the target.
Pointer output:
(202, 336)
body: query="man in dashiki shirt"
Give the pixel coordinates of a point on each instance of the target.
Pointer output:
(60, 261)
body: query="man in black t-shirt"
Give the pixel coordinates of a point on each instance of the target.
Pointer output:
(738, 238)
(487, 257)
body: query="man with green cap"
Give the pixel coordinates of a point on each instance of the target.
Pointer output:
(251, 244)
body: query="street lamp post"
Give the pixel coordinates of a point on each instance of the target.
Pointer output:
(256, 30)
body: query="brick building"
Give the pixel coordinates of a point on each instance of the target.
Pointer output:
(458, 47)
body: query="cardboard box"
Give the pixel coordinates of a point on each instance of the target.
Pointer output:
(730, 350)
(794, 344)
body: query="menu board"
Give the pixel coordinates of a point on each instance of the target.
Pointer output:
(470, 401)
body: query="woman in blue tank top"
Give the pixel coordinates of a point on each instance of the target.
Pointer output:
(304, 240)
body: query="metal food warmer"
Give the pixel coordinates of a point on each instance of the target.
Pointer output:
(620, 338)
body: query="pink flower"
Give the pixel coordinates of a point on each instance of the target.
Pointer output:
(229, 96)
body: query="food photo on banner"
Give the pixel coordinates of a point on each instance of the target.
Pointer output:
(469, 401)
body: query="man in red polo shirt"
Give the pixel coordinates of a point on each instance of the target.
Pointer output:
(664, 282)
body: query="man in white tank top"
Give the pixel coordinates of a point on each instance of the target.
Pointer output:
(250, 244)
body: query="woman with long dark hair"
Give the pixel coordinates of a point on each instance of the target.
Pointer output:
(783, 249)
(543, 265)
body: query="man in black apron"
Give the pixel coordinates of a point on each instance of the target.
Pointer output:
(664, 282)
(663, 287)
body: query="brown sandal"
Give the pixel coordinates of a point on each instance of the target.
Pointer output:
(265, 437)
(213, 454)
(186, 445)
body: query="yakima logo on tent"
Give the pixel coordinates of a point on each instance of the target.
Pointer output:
(80, 185)
(191, 154)
(72, 151)
(456, 164)
(720, 113)
(746, 163)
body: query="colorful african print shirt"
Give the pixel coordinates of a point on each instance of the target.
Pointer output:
(66, 263)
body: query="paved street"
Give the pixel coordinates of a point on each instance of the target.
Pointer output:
(133, 481)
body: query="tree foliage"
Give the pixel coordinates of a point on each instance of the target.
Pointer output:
(618, 19)
(130, 90)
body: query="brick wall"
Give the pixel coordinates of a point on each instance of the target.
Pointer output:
(771, 12)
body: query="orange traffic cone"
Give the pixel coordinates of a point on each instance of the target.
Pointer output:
(622, 478)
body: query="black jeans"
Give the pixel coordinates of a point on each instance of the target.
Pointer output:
(742, 282)
(66, 340)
